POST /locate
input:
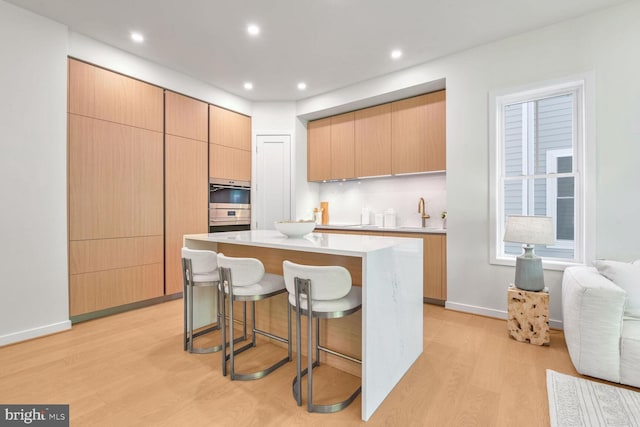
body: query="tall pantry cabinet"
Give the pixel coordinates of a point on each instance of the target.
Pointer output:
(115, 178)
(186, 179)
(138, 181)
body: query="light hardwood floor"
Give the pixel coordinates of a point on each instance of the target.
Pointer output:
(129, 369)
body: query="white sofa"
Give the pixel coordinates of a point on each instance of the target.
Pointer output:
(601, 323)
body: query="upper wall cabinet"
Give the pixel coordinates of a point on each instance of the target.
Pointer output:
(319, 150)
(101, 94)
(373, 141)
(406, 136)
(230, 145)
(418, 134)
(331, 148)
(343, 146)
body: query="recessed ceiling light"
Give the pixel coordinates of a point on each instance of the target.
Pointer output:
(253, 29)
(248, 85)
(137, 37)
(395, 54)
(302, 85)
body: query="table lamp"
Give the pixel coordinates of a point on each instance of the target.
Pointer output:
(530, 230)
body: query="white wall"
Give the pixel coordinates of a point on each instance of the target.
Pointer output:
(33, 218)
(604, 42)
(400, 193)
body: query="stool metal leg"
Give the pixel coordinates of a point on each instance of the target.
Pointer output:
(303, 286)
(226, 283)
(186, 263)
(226, 280)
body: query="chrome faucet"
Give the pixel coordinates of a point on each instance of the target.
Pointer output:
(421, 210)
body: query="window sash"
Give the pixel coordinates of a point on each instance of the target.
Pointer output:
(576, 88)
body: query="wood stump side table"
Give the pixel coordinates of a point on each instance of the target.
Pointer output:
(528, 315)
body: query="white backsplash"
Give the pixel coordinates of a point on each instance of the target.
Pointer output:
(401, 193)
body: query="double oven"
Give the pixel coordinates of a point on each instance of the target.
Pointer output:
(229, 205)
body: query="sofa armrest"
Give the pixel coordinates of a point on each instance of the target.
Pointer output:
(592, 310)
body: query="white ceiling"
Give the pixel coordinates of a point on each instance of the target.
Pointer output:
(326, 43)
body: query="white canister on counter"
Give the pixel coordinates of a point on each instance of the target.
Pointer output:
(365, 217)
(389, 218)
(379, 220)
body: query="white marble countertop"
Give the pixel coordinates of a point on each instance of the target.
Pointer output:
(336, 244)
(356, 227)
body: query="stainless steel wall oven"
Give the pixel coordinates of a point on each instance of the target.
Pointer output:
(229, 205)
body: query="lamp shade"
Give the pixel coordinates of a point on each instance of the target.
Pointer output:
(533, 230)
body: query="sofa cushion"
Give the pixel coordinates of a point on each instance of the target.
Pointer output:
(627, 276)
(592, 311)
(630, 352)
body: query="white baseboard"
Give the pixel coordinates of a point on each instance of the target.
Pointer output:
(490, 312)
(34, 333)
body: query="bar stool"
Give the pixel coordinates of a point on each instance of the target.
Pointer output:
(200, 269)
(244, 279)
(332, 297)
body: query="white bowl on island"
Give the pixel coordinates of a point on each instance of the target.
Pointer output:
(295, 228)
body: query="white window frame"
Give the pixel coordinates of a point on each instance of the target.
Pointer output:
(583, 86)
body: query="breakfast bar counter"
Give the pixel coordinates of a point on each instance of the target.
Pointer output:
(389, 269)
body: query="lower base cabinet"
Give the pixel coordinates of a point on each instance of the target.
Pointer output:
(434, 251)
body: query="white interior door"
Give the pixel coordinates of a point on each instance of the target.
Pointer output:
(273, 186)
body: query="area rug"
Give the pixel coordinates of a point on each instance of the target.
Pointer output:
(579, 402)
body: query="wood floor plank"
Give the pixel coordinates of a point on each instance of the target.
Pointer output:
(129, 369)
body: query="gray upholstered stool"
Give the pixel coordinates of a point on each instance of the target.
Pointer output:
(319, 293)
(244, 279)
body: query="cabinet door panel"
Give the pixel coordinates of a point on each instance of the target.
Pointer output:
(186, 201)
(229, 163)
(102, 94)
(86, 256)
(319, 150)
(115, 180)
(100, 290)
(186, 117)
(229, 129)
(433, 277)
(373, 141)
(418, 133)
(436, 147)
(343, 146)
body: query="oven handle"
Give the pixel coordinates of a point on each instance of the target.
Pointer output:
(217, 187)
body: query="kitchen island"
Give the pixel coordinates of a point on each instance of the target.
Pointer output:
(389, 269)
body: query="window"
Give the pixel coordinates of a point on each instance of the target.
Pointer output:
(538, 168)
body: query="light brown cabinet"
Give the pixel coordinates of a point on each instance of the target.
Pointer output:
(102, 94)
(434, 264)
(319, 150)
(185, 117)
(229, 129)
(186, 179)
(406, 136)
(418, 134)
(331, 148)
(229, 145)
(343, 146)
(373, 141)
(115, 193)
